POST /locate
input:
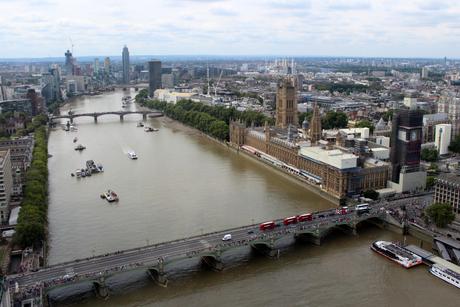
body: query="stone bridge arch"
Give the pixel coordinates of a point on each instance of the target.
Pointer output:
(158, 275)
(100, 288)
(213, 261)
(265, 247)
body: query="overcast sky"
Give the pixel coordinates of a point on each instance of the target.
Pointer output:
(393, 28)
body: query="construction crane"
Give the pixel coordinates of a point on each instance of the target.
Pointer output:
(217, 84)
(71, 44)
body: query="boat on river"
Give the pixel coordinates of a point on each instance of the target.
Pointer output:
(140, 124)
(396, 253)
(132, 155)
(110, 196)
(150, 129)
(446, 274)
(91, 166)
(75, 139)
(80, 147)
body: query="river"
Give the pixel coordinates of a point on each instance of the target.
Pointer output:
(184, 184)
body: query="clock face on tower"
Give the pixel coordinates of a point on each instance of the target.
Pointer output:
(413, 135)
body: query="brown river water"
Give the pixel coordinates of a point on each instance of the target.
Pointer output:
(183, 184)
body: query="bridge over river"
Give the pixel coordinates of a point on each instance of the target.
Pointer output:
(208, 247)
(95, 115)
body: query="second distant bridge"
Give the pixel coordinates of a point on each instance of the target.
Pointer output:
(121, 114)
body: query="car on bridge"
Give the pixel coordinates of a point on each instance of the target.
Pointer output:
(227, 237)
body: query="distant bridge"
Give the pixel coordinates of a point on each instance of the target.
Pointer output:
(135, 86)
(209, 248)
(121, 114)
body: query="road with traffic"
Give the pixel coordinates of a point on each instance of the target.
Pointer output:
(147, 256)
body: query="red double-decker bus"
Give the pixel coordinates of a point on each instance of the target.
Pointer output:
(290, 220)
(305, 217)
(342, 211)
(267, 225)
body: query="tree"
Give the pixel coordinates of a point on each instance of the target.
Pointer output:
(341, 87)
(372, 194)
(365, 124)
(31, 225)
(429, 154)
(334, 120)
(212, 120)
(441, 214)
(430, 181)
(387, 115)
(303, 116)
(142, 95)
(455, 144)
(434, 167)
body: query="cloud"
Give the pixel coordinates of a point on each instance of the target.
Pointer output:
(438, 5)
(295, 27)
(223, 12)
(349, 5)
(289, 5)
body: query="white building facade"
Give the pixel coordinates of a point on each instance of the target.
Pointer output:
(443, 133)
(6, 184)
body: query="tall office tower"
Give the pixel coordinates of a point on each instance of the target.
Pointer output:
(286, 104)
(425, 72)
(406, 141)
(442, 138)
(69, 63)
(51, 89)
(154, 76)
(107, 65)
(315, 125)
(125, 57)
(96, 66)
(56, 84)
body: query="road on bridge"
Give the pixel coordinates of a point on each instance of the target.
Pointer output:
(149, 255)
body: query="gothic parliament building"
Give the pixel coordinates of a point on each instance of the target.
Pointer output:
(338, 171)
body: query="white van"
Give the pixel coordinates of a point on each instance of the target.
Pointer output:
(227, 237)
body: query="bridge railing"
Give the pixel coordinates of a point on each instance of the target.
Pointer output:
(148, 246)
(165, 243)
(197, 236)
(121, 112)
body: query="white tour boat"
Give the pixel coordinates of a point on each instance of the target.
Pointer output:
(446, 274)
